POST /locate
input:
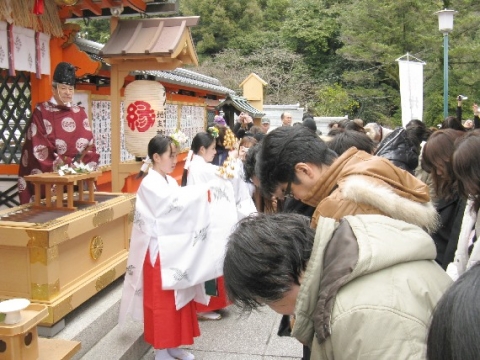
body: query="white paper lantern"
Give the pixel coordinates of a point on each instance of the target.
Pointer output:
(144, 114)
(445, 20)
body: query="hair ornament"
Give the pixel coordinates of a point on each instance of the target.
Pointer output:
(179, 138)
(188, 159)
(212, 130)
(146, 164)
(229, 139)
(144, 168)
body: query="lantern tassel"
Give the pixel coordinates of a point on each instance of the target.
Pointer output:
(38, 7)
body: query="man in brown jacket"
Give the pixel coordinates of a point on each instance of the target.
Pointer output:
(295, 162)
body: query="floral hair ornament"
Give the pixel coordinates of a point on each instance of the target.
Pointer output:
(213, 131)
(179, 138)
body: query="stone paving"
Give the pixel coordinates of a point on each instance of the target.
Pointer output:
(236, 337)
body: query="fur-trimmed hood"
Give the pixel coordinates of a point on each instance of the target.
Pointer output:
(360, 183)
(359, 189)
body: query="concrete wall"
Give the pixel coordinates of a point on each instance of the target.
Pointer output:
(273, 112)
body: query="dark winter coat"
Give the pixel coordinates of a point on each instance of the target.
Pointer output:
(400, 150)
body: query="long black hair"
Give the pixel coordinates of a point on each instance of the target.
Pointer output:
(159, 144)
(204, 139)
(454, 331)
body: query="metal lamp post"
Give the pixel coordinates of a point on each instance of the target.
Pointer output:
(445, 25)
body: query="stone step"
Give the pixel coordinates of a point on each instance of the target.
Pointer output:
(123, 342)
(94, 324)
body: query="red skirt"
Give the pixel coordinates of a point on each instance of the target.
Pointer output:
(164, 326)
(216, 302)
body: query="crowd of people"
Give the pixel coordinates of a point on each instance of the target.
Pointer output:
(354, 237)
(364, 239)
(365, 266)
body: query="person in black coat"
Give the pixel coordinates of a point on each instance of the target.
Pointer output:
(402, 146)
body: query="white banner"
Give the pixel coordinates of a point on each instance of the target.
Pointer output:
(3, 45)
(24, 48)
(411, 90)
(44, 48)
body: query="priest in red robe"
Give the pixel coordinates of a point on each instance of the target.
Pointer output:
(58, 134)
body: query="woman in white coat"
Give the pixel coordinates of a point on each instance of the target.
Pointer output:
(199, 170)
(174, 249)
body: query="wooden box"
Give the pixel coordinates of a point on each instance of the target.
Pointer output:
(21, 341)
(62, 258)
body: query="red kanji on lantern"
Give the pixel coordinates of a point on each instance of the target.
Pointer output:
(140, 116)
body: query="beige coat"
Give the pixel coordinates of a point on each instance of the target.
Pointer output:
(369, 290)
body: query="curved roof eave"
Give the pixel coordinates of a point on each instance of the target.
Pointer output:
(241, 104)
(178, 76)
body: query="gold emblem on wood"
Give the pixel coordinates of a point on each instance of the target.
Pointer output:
(102, 217)
(59, 311)
(42, 255)
(105, 280)
(96, 247)
(45, 291)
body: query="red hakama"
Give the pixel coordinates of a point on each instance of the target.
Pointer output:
(216, 302)
(164, 326)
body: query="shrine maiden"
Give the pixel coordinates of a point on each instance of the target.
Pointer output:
(199, 170)
(174, 249)
(59, 133)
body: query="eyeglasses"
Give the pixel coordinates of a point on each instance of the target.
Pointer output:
(288, 190)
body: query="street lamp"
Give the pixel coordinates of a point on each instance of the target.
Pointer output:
(445, 25)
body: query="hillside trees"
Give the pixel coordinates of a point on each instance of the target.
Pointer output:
(284, 71)
(338, 56)
(222, 22)
(375, 33)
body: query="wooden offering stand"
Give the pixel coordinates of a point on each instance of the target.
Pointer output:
(49, 179)
(21, 341)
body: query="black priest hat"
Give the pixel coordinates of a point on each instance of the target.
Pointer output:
(64, 74)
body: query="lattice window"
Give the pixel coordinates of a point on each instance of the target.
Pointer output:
(15, 114)
(192, 121)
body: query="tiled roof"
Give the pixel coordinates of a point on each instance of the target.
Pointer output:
(178, 76)
(241, 104)
(158, 37)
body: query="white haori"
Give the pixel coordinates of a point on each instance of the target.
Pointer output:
(183, 228)
(193, 254)
(200, 172)
(241, 189)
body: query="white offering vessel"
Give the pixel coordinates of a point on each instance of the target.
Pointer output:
(11, 308)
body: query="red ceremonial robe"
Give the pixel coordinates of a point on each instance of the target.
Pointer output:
(55, 132)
